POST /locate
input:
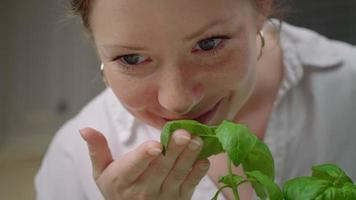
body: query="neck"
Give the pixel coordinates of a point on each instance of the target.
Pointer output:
(269, 71)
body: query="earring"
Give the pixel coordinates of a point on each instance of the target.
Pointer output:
(260, 33)
(102, 74)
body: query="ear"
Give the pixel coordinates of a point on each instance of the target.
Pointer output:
(263, 11)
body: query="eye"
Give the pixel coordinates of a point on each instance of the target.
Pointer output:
(209, 44)
(132, 59)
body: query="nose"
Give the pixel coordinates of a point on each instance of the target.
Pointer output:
(179, 93)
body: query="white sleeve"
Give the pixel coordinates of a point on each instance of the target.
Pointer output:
(57, 178)
(65, 172)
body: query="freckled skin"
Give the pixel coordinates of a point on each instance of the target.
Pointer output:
(176, 81)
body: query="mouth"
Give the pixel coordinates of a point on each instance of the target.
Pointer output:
(203, 118)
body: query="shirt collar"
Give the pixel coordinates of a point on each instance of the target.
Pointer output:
(124, 122)
(311, 48)
(302, 49)
(126, 126)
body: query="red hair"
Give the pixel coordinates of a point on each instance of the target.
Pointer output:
(81, 8)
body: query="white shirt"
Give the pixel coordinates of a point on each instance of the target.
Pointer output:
(312, 122)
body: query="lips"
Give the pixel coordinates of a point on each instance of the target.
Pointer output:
(202, 118)
(206, 117)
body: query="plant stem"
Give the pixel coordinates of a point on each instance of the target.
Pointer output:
(236, 194)
(211, 136)
(234, 189)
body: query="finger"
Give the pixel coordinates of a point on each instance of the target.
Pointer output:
(199, 170)
(126, 169)
(157, 172)
(183, 165)
(99, 151)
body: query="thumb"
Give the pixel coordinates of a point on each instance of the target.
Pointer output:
(99, 151)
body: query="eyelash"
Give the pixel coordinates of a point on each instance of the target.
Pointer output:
(216, 50)
(211, 52)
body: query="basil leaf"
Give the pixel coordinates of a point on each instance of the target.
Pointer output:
(236, 140)
(260, 159)
(211, 144)
(311, 188)
(328, 182)
(215, 197)
(349, 191)
(304, 188)
(232, 180)
(264, 186)
(332, 173)
(337, 193)
(243, 147)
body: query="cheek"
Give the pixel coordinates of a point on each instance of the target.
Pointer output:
(245, 73)
(235, 69)
(132, 93)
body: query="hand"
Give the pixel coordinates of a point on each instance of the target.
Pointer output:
(144, 173)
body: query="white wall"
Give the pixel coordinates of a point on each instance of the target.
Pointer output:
(45, 63)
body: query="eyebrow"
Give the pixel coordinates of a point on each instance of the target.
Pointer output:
(133, 48)
(206, 27)
(189, 37)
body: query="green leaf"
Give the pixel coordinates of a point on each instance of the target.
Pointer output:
(349, 191)
(328, 182)
(231, 180)
(264, 186)
(236, 140)
(211, 144)
(304, 188)
(215, 197)
(332, 173)
(243, 147)
(260, 159)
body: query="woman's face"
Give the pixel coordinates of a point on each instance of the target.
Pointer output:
(178, 59)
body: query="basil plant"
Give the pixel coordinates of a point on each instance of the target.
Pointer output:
(328, 181)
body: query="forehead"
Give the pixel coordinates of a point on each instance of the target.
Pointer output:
(117, 18)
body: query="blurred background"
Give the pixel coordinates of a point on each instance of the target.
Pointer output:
(49, 70)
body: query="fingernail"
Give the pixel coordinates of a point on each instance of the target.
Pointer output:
(181, 139)
(154, 151)
(204, 166)
(81, 133)
(194, 144)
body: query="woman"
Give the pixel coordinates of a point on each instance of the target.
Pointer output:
(207, 60)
